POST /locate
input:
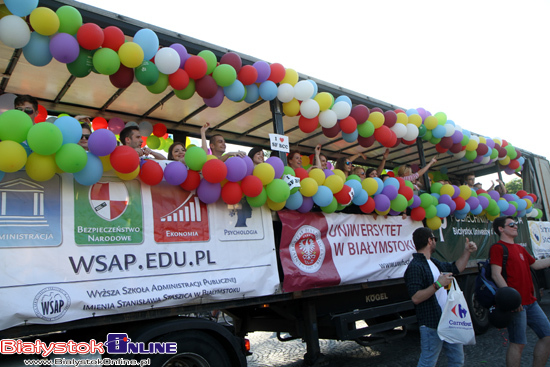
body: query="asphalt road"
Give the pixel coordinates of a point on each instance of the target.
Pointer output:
(489, 351)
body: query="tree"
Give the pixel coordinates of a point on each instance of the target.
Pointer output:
(514, 186)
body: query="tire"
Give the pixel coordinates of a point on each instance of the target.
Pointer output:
(479, 314)
(195, 349)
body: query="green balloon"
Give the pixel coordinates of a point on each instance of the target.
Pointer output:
(14, 125)
(470, 155)
(153, 142)
(44, 138)
(353, 177)
(195, 158)
(187, 92)
(70, 19)
(511, 151)
(399, 204)
(224, 75)
(366, 129)
(83, 64)
(428, 135)
(106, 61)
(465, 140)
(431, 211)
(211, 60)
(256, 201)
(289, 171)
(160, 85)
(277, 190)
(434, 141)
(331, 208)
(422, 131)
(71, 158)
(425, 200)
(436, 186)
(494, 154)
(147, 73)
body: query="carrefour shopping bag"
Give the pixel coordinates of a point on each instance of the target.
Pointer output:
(455, 325)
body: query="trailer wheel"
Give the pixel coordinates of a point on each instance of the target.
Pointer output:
(195, 349)
(479, 314)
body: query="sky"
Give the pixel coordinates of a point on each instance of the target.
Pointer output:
(484, 63)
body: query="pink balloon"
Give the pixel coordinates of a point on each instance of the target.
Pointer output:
(116, 125)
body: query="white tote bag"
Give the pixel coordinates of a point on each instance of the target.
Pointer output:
(455, 325)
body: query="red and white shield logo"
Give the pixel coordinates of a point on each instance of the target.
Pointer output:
(109, 200)
(307, 250)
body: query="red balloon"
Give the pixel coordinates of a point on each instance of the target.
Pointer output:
(535, 198)
(447, 142)
(391, 173)
(124, 159)
(482, 149)
(308, 125)
(348, 125)
(360, 113)
(408, 142)
(278, 72)
(123, 78)
(90, 36)
(252, 186)
(151, 173)
(460, 203)
(390, 118)
(383, 135)
(196, 67)
(231, 193)
(206, 87)
(418, 213)
(113, 38)
(456, 148)
(401, 181)
(514, 163)
(248, 75)
(376, 109)
(301, 173)
(99, 123)
(521, 193)
(399, 110)
(407, 192)
(232, 59)
(179, 80)
(343, 196)
(159, 129)
(366, 142)
(368, 207)
(518, 153)
(333, 131)
(192, 181)
(440, 149)
(214, 171)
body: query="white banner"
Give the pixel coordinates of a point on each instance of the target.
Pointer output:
(540, 238)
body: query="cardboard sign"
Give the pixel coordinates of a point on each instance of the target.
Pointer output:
(279, 143)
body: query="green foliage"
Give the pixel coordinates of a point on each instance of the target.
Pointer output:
(514, 186)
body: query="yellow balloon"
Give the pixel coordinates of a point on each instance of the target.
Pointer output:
(482, 140)
(305, 161)
(291, 108)
(187, 142)
(402, 118)
(504, 161)
(447, 190)
(382, 213)
(465, 192)
(415, 119)
(308, 187)
(430, 122)
(434, 223)
(334, 183)
(128, 176)
(324, 99)
(492, 217)
(275, 206)
(472, 145)
(339, 172)
(210, 156)
(377, 119)
(370, 185)
(291, 77)
(265, 172)
(14, 156)
(317, 174)
(131, 54)
(44, 21)
(41, 167)
(106, 161)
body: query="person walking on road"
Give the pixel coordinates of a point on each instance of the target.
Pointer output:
(518, 276)
(426, 279)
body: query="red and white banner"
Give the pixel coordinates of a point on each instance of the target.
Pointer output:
(320, 250)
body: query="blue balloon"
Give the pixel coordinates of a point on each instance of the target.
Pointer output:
(27, 148)
(412, 111)
(70, 128)
(235, 92)
(380, 185)
(360, 197)
(37, 51)
(439, 131)
(350, 138)
(443, 210)
(392, 181)
(92, 171)
(294, 201)
(522, 204)
(315, 87)
(343, 98)
(252, 94)
(148, 41)
(2, 173)
(21, 8)
(477, 210)
(323, 196)
(268, 90)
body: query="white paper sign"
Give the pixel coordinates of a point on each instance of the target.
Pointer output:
(279, 143)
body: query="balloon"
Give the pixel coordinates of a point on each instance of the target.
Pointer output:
(214, 170)
(116, 125)
(277, 72)
(99, 123)
(277, 164)
(308, 187)
(37, 50)
(45, 139)
(381, 202)
(70, 129)
(148, 41)
(167, 60)
(231, 193)
(206, 87)
(21, 8)
(92, 171)
(208, 192)
(195, 158)
(41, 167)
(323, 196)
(175, 173)
(44, 21)
(128, 176)
(225, 75)
(71, 157)
(14, 32)
(258, 200)
(268, 90)
(309, 108)
(131, 54)
(235, 92)
(263, 69)
(210, 59)
(236, 169)
(64, 48)
(294, 201)
(433, 223)
(106, 61)
(13, 156)
(303, 90)
(160, 85)
(90, 36)
(147, 73)
(15, 125)
(232, 59)
(265, 172)
(113, 38)
(252, 186)
(123, 78)
(70, 19)
(124, 159)
(151, 173)
(277, 190)
(82, 66)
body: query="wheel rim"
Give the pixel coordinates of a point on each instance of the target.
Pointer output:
(187, 360)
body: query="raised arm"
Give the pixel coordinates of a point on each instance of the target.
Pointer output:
(383, 163)
(355, 156)
(462, 261)
(203, 136)
(426, 167)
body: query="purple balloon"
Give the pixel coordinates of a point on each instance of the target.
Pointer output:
(182, 52)
(509, 197)
(328, 172)
(445, 199)
(394, 213)
(381, 202)
(277, 165)
(457, 192)
(483, 201)
(478, 159)
(175, 173)
(236, 169)
(208, 192)
(416, 202)
(216, 100)
(307, 204)
(422, 112)
(64, 48)
(473, 201)
(249, 165)
(264, 71)
(452, 205)
(457, 136)
(510, 211)
(490, 143)
(494, 195)
(102, 142)
(390, 192)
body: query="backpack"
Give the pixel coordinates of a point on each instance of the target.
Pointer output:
(485, 287)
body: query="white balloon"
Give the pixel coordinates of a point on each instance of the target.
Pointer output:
(14, 31)
(342, 109)
(309, 108)
(303, 90)
(399, 129)
(131, 123)
(6, 102)
(412, 132)
(460, 154)
(328, 119)
(485, 160)
(145, 128)
(167, 60)
(285, 92)
(450, 130)
(474, 138)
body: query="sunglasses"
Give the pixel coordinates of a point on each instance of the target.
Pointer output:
(348, 163)
(433, 238)
(27, 110)
(512, 224)
(85, 136)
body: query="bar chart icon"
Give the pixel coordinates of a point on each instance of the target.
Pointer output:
(188, 211)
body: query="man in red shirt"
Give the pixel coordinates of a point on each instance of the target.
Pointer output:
(518, 276)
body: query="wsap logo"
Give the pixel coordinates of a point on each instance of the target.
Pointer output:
(461, 311)
(119, 343)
